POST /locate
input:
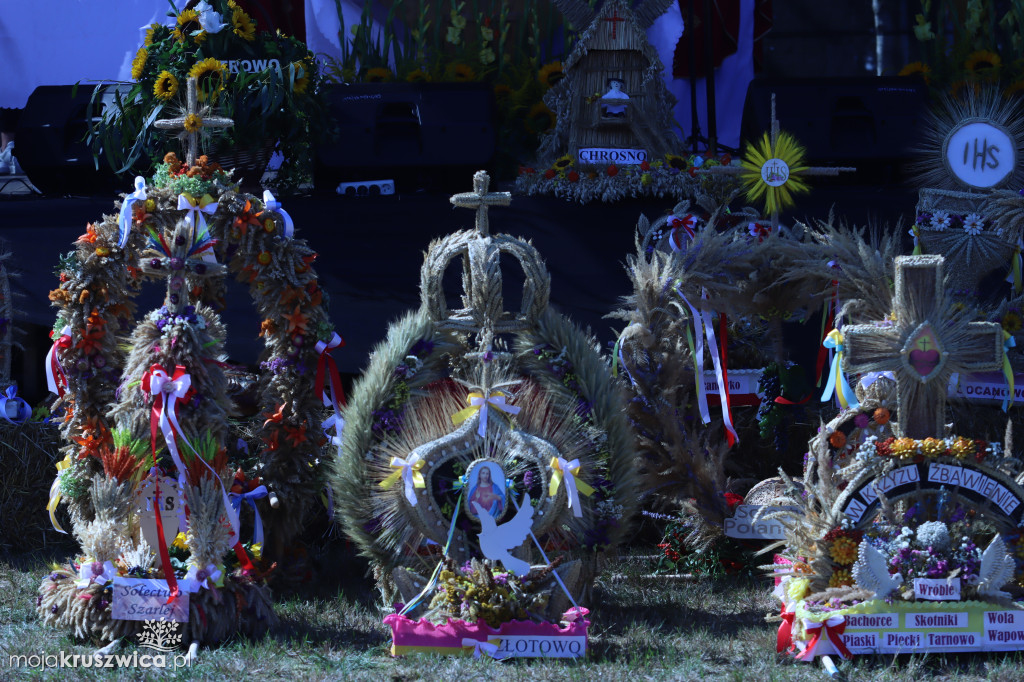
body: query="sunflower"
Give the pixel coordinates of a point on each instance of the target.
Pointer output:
(785, 181)
(982, 60)
(916, 69)
(245, 27)
(139, 63)
(501, 90)
(189, 26)
(562, 163)
(539, 118)
(209, 74)
(418, 76)
(378, 74)
(150, 34)
(193, 123)
(550, 74)
(301, 82)
(166, 85)
(677, 162)
(460, 73)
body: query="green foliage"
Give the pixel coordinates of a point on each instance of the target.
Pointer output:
(280, 101)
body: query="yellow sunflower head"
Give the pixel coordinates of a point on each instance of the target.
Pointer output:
(244, 26)
(562, 162)
(193, 123)
(460, 73)
(139, 63)
(916, 69)
(301, 83)
(983, 60)
(677, 162)
(166, 86)
(418, 76)
(771, 172)
(209, 74)
(501, 90)
(539, 118)
(550, 74)
(188, 26)
(378, 74)
(149, 34)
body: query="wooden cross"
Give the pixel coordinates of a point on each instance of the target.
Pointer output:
(192, 109)
(923, 347)
(480, 199)
(774, 135)
(615, 19)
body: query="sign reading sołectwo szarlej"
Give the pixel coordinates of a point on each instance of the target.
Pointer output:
(146, 599)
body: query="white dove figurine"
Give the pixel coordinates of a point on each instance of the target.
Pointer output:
(997, 569)
(496, 541)
(871, 571)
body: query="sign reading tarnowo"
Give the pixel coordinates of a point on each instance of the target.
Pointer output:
(969, 482)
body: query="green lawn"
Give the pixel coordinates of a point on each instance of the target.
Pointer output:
(641, 629)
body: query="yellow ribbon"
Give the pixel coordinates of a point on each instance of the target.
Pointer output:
(408, 469)
(570, 470)
(477, 403)
(836, 379)
(55, 496)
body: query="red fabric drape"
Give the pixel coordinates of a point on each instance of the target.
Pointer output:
(725, 18)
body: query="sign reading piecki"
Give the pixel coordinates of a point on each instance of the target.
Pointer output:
(971, 483)
(979, 154)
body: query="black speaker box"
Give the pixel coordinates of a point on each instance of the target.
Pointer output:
(50, 142)
(419, 134)
(871, 118)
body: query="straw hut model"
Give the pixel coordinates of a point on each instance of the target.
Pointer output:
(596, 125)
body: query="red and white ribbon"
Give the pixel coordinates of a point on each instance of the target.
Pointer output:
(272, 204)
(327, 369)
(167, 390)
(833, 628)
(56, 380)
(687, 223)
(784, 638)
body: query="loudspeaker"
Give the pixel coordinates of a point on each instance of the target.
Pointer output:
(50, 142)
(421, 134)
(841, 119)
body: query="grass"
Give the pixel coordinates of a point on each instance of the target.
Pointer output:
(641, 630)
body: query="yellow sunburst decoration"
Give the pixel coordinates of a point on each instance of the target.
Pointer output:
(772, 172)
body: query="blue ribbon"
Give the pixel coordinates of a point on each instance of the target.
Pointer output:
(844, 393)
(251, 497)
(23, 412)
(124, 220)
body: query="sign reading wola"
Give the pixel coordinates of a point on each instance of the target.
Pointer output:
(601, 156)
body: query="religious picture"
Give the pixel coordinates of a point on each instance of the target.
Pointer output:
(486, 485)
(615, 91)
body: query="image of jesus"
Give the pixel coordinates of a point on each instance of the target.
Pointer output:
(487, 493)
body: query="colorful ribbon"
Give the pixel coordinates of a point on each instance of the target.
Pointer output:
(55, 495)
(915, 232)
(124, 220)
(833, 628)
(688, 222)
(570, 471)
(1008, 343)
(784, 638)
(837, 382)
(759, 230)
(196, 209)
(53, 368)
(408, 469)
(272, 204)
(704, 328)
(251, 497)
(201, 577)
(490, 647)
(477, 403)
(22, 411)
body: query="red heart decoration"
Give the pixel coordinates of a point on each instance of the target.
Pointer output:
(924, 362)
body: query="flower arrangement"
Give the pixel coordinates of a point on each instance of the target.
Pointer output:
(673, 176)
(477, 590)
(269, 84)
